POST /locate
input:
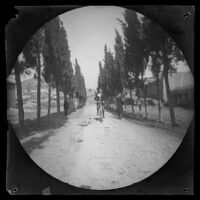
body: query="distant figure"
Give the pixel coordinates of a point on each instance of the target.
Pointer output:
(66, 106)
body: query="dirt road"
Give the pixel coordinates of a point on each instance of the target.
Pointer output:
(94, 155)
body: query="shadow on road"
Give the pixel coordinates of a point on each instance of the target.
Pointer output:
(113, 112)
(36, 142)
(98, 119)
(115, 116)
(55, 121)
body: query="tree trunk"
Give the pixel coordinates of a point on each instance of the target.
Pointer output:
(169, 96)
(49, 100)
(158, 98)
(137, 88)
(121, 98)
(38, 88)
(57, 98)
(145, 102)
(64, 95)
(19, 98)
(132, 106)
(64, 106)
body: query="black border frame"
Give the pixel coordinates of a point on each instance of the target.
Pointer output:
(20, 162)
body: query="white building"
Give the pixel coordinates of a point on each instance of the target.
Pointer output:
(179, 84)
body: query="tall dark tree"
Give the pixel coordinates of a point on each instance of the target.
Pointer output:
(101, 77)
(54, 29)
(63, 71)
(144, 57)
(49, 63)
(110, 74)
(106, 74)
(67, 84)
(135, 53)
(119, 61)
(21, 68)
(83, 93)
(160, 41)
(133, 61)
(144, 89)
(77, 77)
(104, 78)
(18, 70)
(156, 70)
(80, 88)
(33, 55)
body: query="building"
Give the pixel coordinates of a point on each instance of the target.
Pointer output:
(126, 93)
(181, 85)
(151, 88)
(182, 88)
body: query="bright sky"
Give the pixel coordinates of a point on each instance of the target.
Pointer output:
(88, 30)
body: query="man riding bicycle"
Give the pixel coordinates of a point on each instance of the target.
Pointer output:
(100, 101)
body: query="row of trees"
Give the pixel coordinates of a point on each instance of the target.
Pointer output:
(48, 54)
(145, 45)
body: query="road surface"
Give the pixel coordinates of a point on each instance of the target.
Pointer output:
(89, 154)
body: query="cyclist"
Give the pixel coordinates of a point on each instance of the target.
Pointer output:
(100, 101)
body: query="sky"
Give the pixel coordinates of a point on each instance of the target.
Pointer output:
(88, 30)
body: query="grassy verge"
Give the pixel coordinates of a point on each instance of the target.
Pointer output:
(54, 121)
(140, 119)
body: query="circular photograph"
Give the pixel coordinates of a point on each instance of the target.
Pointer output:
(100, 97)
